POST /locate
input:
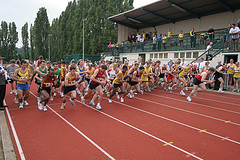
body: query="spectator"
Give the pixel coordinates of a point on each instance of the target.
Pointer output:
(178, 61)
(3, 82)
(138, 37)
(142, 43)
(143, 35)
(170, 61)
(133, 36)
(129, 38)
(236, 77)
(201, 65)
(211, 34)
(227, 36)
(203, 39)
(238, 23)
(193, 38)
(155, 32)
(219, 64)
(10, 70)
(180, 36)
(164, 41)
(184, 63)
(209, 51)
(159, 38)
(234, 32)
(169, 36)
(150, 36)
(154, 42)
(195, 63)
(230, 71)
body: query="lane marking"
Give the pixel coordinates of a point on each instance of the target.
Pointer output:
(174, 121)
(146, 133)
(195, 103)
(204, 130)
(20, 151)
(203, 115)
(71, 125)
(190, 155)
(166, 144)
(225, 138)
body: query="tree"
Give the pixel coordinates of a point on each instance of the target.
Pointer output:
(25, 40)
(41, 33)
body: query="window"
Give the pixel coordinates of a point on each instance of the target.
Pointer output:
(182, 55)
(175, 55)
(151, 56)
(160, 55)
(188, 55)
(195, 54)
(155, 55)
(165, 55)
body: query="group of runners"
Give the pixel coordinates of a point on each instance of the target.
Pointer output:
(90, 80)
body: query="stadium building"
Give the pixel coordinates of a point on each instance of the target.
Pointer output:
(176, 15)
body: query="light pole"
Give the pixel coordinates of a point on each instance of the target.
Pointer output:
(85, 19)
(49, 47)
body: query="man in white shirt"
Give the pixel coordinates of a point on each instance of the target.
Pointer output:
(184, 63)
(234, 32)
(201, 65)
(209, 51)
(195, 63)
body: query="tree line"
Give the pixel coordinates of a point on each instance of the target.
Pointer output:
(65, 34)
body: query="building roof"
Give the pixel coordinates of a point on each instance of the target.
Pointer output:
(172, 11)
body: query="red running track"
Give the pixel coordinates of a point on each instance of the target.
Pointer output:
(156, 125)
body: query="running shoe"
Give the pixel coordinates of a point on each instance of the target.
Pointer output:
(238, 91)
(186, 88)
(108, 94)
(11, 92)
(54, 94)
(15, 92)
(61, 95)
(72, 102)
(117, 95)
(92, 103)
(220, 91)
(40, 107)
(182, 93)
(51, 98)
(78, 91)
(16, 100)
(189, 99)
(195, 94)
(21, 105)
(170, 91)
(82, 100)
(165, 89)
(44, 108)
(234, 90)
(63, 106)
(130, 96)
(141, 91)
(122, 100)
(25, 103)
(98, 107)
(109, 100)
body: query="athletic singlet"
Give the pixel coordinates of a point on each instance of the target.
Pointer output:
(237, 70)
(81, 70)
(164, 69)
(99, 76)
(199, 77)
(146, 71)
(57, 73)
(22, 76)
(43, 71)
(184, 72)
(89, 74)
(231, 71)
(112, 74)
(62, 72)
(115, 81)
(48, 82)
(71, 79)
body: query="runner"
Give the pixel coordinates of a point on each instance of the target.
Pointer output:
(98, 80)
(182, 77)
(218, 75)
(118, 83)
(63, 73)
(10, 70)
(163, 75)
(112, 75)
(42, 68)
(71, 80)
(82, 85)
(45, 88)
(200, 81)
(21, 75)
(130, 85)
(56, 84)
(145, 77)
(171, 77)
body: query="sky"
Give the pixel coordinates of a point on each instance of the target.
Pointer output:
(22, 11)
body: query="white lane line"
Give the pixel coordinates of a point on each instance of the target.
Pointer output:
(97, 146)
(174, 121)
(194, 103)
(221, 95)
(188, 111)
(146, 133)
(20, 151)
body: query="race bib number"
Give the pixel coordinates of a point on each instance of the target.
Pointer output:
(48, 84)
(184, 73)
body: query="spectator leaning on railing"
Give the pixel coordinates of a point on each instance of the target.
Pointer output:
(159, 38)
(209, 51)
(193, 38)
(180, 36)
(234, 32)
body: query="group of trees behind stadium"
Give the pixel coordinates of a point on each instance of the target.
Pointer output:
(66, 32)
